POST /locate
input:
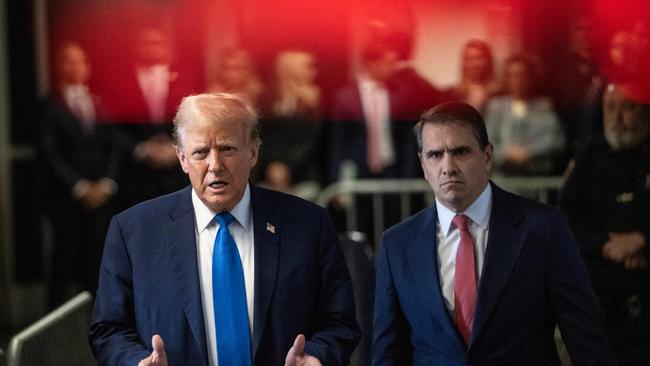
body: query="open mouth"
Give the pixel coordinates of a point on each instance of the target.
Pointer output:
(218, 184)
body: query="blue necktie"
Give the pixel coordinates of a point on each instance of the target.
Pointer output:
(229, 297)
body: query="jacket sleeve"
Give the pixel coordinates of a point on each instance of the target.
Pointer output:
(573, 300)
(337, 332)
(51, 148)
(391, 332)
(113, 335)
(590, 236)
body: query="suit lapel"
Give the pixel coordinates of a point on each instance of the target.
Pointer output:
(504, 244)
(267, 231)
(423, 259)
(181, 237)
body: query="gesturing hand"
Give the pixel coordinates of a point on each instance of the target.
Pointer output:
(296, 355)
(158, 356)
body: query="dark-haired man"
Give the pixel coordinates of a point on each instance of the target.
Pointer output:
(482, 276)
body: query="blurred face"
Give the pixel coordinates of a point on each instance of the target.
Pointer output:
(306, 69)
(518, 79)
(153, 47)
(218, 157)
(621, 48)
(383, 68)
(235, 70)
(625, 122)
(73, 66)
(454, 164)
(476, 63)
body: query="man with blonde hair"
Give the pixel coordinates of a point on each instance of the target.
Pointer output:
(223, 271)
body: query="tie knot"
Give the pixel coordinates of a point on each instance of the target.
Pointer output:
(224, 218)
(461, 221)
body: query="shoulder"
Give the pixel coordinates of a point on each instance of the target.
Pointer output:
(542, 103)
(593, 151)
(288, 204)
(497, 104)
(157, 208)
(515, 205)
(409, 228)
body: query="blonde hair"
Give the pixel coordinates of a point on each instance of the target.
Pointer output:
(209, 108)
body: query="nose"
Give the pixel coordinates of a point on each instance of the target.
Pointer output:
(214, 161)
(449, 166)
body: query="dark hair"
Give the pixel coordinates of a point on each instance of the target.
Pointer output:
(485, 50)
(532, 68)
(453, 112)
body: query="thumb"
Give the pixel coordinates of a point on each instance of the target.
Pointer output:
(299, 345)
(158, 348)
(296, 351)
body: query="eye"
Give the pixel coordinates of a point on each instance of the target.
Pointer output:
(200, 154)
(461, 151)
(228, 150)
(434, 154)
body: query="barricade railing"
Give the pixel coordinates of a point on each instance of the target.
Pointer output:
(59, 338)
(408, 191)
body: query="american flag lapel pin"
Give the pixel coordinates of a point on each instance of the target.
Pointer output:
(270, 228)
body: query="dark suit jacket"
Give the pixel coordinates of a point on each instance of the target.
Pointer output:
(532, 278)
(149, 284)
(347, 136)
(69, 154)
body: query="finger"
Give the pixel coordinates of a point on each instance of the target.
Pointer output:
(295, 352)
(158, 346)
(299, 345)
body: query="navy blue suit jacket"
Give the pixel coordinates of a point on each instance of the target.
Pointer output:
(149, 284)
(533, 278)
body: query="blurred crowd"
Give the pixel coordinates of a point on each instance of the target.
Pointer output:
(102, 152)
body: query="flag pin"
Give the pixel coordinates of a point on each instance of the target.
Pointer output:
(270, 228)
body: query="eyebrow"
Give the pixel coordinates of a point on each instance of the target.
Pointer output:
(456, 149)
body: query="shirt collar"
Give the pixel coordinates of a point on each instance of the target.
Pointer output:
(74, 89)
(478, 211)
(241, 212)
(367, 84)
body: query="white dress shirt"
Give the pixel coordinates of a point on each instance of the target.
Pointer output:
(241, 229)
(449, 238)
(80, 102)
(154, 84)
(375, 100)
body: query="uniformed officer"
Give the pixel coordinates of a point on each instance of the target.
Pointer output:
(607, 199)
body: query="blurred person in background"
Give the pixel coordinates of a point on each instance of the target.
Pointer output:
(417, 94)
(237, 75)
(364, 128)
(607, 199)
(527, 135)
(143, 102)
(293, 127)
(80, 162)
(366, 134)
(478, 82)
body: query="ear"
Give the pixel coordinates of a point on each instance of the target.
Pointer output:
(182, 158)
(422, 166)
(255, 151)
(489, 154)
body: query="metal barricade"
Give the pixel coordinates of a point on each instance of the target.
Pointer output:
(539, 188)
(60, 338)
